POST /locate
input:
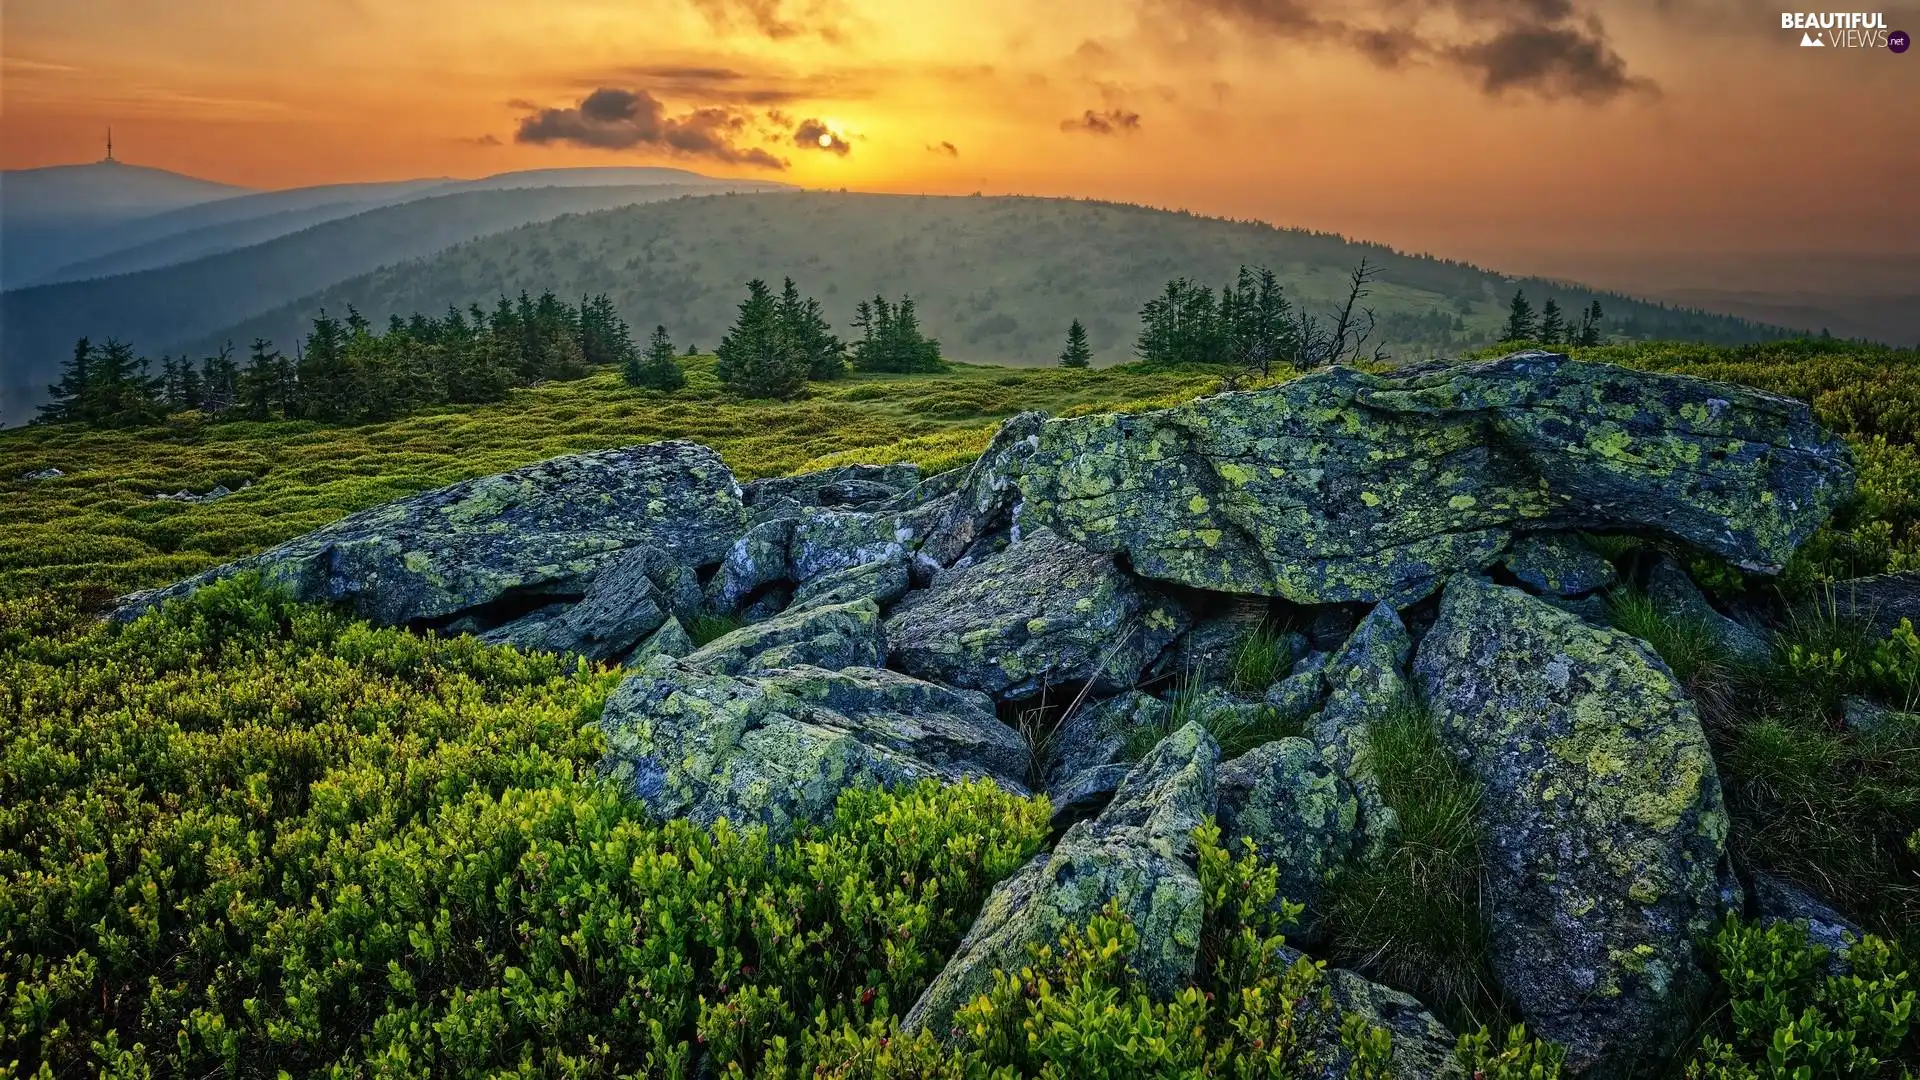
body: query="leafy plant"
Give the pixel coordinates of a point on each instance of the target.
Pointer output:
(1788, 1015)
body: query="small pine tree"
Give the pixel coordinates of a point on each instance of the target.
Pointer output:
(67, 399)
(1078, 353)
(756, 357)
(1520, 322)
(657, 368)
(1553, 325)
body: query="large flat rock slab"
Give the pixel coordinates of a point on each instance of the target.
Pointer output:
(543, 530)
(1344, 486)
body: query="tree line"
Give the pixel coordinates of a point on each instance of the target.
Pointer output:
(346, 371)
(1550, 326)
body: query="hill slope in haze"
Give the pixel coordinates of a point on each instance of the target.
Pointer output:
(47, 215)
(228, 224)
(160, 309)
(996, 280)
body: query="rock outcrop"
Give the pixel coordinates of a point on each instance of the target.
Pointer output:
(1041, 613)
(1138, 852)
(516, 540)
(1605, 830)
(778, 749)
(1301, 815)
(1552, 564)
(1344, 486)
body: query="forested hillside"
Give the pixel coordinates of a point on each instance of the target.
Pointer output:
(161, 308)
(996, 279)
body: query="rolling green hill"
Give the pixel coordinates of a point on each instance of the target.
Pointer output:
(996, 279)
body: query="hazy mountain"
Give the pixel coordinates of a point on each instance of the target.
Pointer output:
(995, 279)
(158, 309)
(207, 229)
(50, 216)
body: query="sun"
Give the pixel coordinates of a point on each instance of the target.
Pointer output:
(826, 139)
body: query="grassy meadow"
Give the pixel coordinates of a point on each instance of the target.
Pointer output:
(240, 837)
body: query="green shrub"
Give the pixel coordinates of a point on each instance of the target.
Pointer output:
(240, 836)
(1786, 1016)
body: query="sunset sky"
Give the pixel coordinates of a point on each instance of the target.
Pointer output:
(1477, 129)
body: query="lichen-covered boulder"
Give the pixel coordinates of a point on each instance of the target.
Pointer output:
(757, 559)
(1605, 830)
(1553, 564)
(986, 494)
(1042, 613)
(1422, 1047)
(1672, 590)
(1776, 899)
(1366, 681)
(831, 637)
(1082, 755)
(1301, 815)
(1347, 486)
(1139, 852)
(779, 749)
(841, 485)
(1298, 696)
(541, 531)
(630, 597)
(882, 581)
(671, 639)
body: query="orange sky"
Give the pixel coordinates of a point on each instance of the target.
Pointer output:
(1469, 128)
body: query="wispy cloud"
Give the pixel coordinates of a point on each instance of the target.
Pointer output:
(1103, 122)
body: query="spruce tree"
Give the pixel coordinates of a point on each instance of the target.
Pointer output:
(1553, 325)
(806, 326)
(1589, 333)
(259, 389)
(756, 357)
(657, 368)
(67, 399)
(1078, 353)
(1520, 322)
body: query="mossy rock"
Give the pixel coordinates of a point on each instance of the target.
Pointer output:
(1138, 852)
(543, 530)
(779, 749)
(1301, 815)
(1605, 831)
(1042, 613)
(1347, 486)
(832, 637)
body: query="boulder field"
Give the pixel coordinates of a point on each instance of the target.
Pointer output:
(1063, 617)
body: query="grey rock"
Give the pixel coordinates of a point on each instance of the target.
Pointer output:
(42, 474)
(1347, 486)
(779, 749)
(1870, 718)
(624, 603)
(1605, 828)
(1366, 683)
(1139, 852)
(1776, 899)
(1301, 814)
(1880, 602)
(832, 637)
(1674, 593)
(1554, 564)
(1042, 613)
(882, 581)
(1298, 696)
(837, 486)
(987, 492)
(1422, 1048)
(756, 560)
(671, 640)
(546, 529)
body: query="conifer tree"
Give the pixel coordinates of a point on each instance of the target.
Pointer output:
(1589, 332)
(1520, 320)
(756, 357)
(1553, 325)
(1078, 353)
(657, 368)
(67, 399)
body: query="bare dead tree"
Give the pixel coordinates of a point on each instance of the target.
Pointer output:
(1351, 332)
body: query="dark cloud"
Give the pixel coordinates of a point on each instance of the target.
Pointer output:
(815, 135)
(482, 140)
(612, 118)
(1104, 122)
(772, 18)
(1549, 48)
(943, 147)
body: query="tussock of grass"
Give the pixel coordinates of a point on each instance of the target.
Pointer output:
(1263, 656)
(1237, 730)
(708, 628)
(1412, 920)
